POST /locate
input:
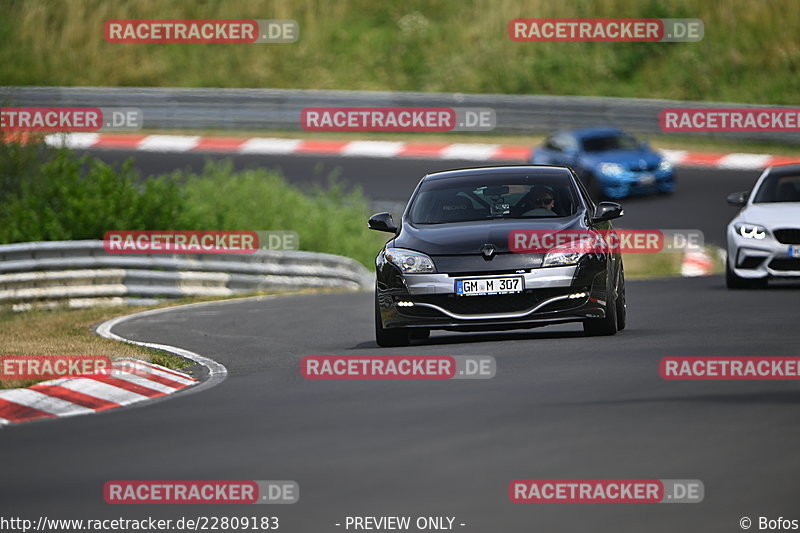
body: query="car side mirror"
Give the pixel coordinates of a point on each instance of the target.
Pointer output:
(382, 222)
(607, 211)
(738, 198)
(645, 146)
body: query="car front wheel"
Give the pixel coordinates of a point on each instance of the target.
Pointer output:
(732, 281)
(388, 337)
(604, 326)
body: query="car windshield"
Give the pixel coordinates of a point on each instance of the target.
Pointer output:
(441, 201)
(609, 142)
(778, 189)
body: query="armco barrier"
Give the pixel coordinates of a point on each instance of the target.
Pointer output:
(279, 109)
(82, 273)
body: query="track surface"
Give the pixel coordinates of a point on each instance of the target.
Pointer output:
(698, 203)
(561, 406)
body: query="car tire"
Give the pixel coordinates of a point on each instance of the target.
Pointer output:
(732, 281)
(388, 338)
(419, 334)
(621, 304)
(593, 327)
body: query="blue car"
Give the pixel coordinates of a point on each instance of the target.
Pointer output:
(610, 162)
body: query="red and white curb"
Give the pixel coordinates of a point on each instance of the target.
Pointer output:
(386, 149)
(128, 381)
(697, 262)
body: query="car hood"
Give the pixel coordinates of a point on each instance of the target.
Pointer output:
(622, 157)
(467, 238)
(772, 214)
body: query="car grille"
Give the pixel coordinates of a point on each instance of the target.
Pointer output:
(478, 305)
(787, 235)
(785, 263)
(636, 167)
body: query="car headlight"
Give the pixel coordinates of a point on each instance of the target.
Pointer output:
(611, 169)
(751, 231)
(562, 257)
(409, 261)
(665, 166)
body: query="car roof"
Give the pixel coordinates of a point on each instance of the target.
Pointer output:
(500, 170)
(585, 133)
(784, 170)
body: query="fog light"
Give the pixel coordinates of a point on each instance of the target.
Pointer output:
(403, 303)
(577, 295)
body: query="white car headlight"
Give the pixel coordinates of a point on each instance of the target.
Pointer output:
(751, 231)
(611, 169)
(562, 257)
(665, 166)
(409, 261)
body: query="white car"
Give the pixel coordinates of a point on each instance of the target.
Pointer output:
(764, 238)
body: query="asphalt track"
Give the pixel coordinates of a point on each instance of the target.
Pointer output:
(698, 203)
(562, 406)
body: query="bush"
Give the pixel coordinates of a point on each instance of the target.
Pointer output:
(54, 195)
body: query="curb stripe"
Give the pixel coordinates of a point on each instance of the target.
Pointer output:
(164, 370)
(180, 380)
(42, 402)
(102, 391)
(75, 397)
(14, 412)
(129, 386)
(379, 149)
(131, 369)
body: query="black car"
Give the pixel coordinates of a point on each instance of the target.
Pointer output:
(451, 264)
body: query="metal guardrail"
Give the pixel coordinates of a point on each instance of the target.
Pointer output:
(270, 109)
(83, 274)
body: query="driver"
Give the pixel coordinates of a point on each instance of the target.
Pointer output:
(542, 202)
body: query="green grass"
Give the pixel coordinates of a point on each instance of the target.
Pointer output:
(69, 332)
(750, 52)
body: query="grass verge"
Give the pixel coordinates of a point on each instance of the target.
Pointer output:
(69, 332)
(749, 53)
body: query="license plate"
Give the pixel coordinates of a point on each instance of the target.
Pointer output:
(794, 251)
(647, 179)
(485, 286)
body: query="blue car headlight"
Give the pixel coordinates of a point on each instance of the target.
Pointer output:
(664, 166)
(612, 170)
(409, 261)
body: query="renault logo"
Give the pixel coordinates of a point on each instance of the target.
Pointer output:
(488, 251)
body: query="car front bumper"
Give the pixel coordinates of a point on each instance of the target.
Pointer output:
(551, 295)
(758, 259)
